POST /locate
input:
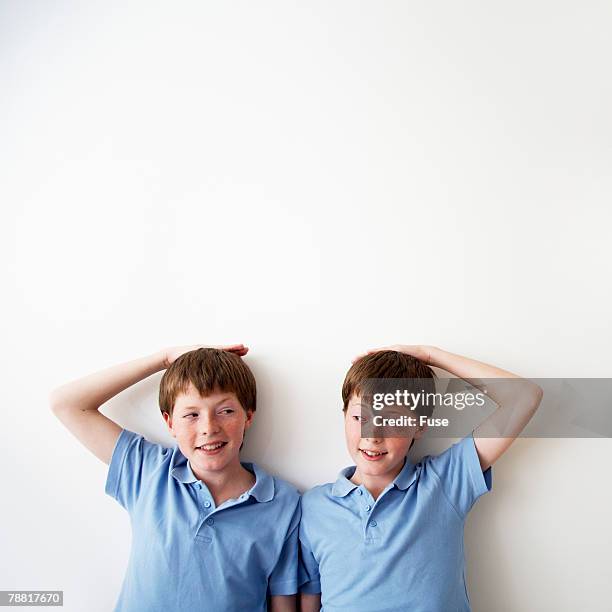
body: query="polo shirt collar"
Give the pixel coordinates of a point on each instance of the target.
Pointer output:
(343, 485)
(181, 469)
(262, 490)
(406, 477)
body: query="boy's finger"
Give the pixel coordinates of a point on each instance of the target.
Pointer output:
(242, 351)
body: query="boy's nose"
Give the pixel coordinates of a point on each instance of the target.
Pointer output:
(208, 425)
(374, 434)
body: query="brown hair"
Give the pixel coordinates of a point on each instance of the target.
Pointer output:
(209, 370)
(382, 364)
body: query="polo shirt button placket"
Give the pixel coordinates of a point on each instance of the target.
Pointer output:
(209, 522)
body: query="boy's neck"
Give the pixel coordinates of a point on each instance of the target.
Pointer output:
(228, 483)
(376, 484)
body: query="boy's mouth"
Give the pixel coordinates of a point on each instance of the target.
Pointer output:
(211, 448)
(371, 455)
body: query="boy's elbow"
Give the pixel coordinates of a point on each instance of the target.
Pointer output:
(56, 401)
(62, 404)
(536, 396)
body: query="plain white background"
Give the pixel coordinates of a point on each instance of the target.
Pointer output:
(311, 179)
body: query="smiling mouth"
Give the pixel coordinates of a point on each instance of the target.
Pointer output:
(371, 455)
(211, 448)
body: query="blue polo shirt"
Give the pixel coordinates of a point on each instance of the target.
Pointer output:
(187, 553)
(403, 551)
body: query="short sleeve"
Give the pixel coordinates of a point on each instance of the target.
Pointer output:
(283, 579)
(308, 568)
(461, 476)
(134, 459)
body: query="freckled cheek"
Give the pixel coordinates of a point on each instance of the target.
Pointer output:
(353, 436)
(234, 430)
(398, 448)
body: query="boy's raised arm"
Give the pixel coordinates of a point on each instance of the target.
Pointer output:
(517, 403)
(76, 404)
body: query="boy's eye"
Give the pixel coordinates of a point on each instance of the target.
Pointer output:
(361, 419)
(227, 411)
(190, 415)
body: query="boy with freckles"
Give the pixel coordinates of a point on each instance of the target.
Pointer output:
(387, 535)
(209, 532)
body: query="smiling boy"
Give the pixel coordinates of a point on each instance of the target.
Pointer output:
(209, 532)
(388, 534)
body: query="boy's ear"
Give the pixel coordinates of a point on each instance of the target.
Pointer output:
(420, 432)
(168, 421)
(249, 419)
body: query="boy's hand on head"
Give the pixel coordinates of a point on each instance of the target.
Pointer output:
(170, 355)
(419, 351)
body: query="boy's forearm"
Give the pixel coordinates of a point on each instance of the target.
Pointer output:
(90, 392)
(464, 367)
(473, 371)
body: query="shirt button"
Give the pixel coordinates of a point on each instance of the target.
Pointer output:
(210, 521)
(367, 508)
(207, 504)
(359, 491)
(373, 523)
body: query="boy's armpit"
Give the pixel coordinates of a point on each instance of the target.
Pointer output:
(461, 476)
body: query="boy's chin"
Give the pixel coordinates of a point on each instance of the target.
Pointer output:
(213, 462)
(208, 465)
(377, 468)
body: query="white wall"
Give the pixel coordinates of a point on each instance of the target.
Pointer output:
(311, 179)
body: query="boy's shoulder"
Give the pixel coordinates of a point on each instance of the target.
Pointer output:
(282, 491)
(317, 495)
(463, 451)
(136, 449)
(139, 465)
(285, 490)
